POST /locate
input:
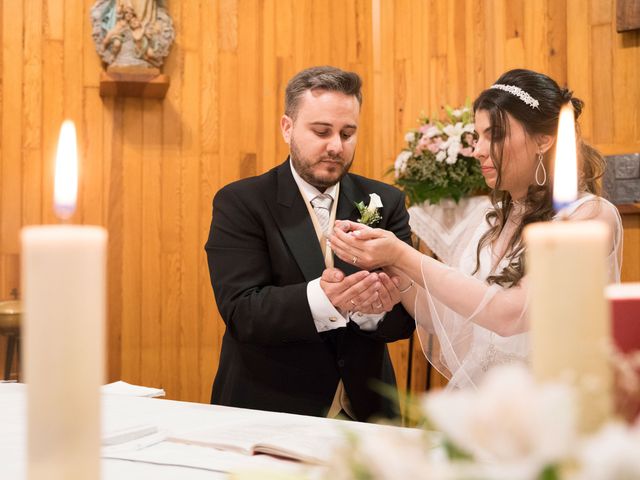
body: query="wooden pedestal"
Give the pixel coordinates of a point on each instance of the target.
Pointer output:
(133, 82)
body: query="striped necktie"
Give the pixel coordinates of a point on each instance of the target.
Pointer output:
(322, 207)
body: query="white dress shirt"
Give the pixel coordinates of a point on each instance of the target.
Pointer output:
(325, 315)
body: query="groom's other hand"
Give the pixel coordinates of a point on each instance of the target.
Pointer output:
(345, 292)
(382, 300)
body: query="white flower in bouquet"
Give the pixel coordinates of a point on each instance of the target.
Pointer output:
(453, 151)
(454, 130)
(510, 419)
(410, 137)
(612, 454)
(441, 155)
(432, 131)
(401, 162)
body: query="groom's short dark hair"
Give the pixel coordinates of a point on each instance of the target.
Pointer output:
(325, 78)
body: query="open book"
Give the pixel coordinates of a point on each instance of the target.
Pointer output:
(312, 443)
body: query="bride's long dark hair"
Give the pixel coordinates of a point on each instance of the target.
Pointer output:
(541, 120)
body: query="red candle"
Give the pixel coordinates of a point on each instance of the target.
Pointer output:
(624, 302)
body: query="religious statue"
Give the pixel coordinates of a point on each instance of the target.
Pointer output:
(132, 33)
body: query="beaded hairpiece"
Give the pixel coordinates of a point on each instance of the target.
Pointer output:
(518, 92)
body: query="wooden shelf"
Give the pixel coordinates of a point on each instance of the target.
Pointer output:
(629, 208)
(133, 82)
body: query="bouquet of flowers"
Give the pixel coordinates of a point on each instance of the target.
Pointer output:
(437, 162)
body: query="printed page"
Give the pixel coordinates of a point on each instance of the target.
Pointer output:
(311, 443)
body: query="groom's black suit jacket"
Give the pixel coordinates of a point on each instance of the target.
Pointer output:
(262, 252)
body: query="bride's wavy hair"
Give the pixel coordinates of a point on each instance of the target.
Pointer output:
(541, 119)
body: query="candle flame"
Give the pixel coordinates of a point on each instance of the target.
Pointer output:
(565, 177)
(66, 179)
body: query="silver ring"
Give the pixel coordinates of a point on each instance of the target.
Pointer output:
(353, 303)
(354, 260)
(377, 306)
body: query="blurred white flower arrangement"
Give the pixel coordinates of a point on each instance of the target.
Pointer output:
(511, 428)
(437, 161)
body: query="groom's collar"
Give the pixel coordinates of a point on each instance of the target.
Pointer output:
(350, 192)
(309, 191)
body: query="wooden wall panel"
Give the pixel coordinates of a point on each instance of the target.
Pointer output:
(150, 168)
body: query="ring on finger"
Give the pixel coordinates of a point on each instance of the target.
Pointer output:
(353, 303)
(377, 306)
(354, 260)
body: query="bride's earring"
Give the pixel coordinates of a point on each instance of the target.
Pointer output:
(544, 171)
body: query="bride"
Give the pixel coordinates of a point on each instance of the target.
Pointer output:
(477, 305)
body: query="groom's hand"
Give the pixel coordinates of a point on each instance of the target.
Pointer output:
(347, 292)
(384, 299)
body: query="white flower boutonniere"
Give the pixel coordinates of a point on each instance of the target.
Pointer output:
(369, 215)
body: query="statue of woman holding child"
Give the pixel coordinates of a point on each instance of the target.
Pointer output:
(132, 33)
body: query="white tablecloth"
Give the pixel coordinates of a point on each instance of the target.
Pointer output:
(164, 459)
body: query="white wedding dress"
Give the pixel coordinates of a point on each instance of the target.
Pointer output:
(478, 325)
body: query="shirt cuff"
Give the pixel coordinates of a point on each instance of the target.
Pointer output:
(325, 315)
(366, 321)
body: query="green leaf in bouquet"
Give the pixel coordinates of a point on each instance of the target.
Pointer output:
(550, 472)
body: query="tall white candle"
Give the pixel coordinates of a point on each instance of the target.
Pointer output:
(568, 312)
(567, 271)
(64, 271)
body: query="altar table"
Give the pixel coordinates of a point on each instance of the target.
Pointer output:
(156, 456)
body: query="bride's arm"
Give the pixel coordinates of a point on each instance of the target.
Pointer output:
(495, 308)
(407, 288)
(490, 306)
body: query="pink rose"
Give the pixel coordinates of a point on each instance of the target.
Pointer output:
(425, 127)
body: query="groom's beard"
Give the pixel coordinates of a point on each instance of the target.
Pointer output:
(310, 170)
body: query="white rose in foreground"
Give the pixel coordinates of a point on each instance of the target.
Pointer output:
(611, 454)
(409, 454)
(375, 202)
(441, 155)
(509, 419)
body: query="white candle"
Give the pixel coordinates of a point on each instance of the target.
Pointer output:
(568, 312)
(567, 271)
(64, 270)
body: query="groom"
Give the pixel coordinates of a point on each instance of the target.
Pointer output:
(304, 335)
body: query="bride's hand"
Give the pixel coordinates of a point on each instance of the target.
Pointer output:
(366, 247)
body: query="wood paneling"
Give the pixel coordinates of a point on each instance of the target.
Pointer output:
(150, 168)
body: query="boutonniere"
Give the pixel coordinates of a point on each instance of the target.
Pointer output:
(369, 215)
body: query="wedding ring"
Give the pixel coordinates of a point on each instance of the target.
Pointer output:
(377, 306)
(352, 303)
(354, 260)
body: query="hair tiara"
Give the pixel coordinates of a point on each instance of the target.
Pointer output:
(518, 92)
